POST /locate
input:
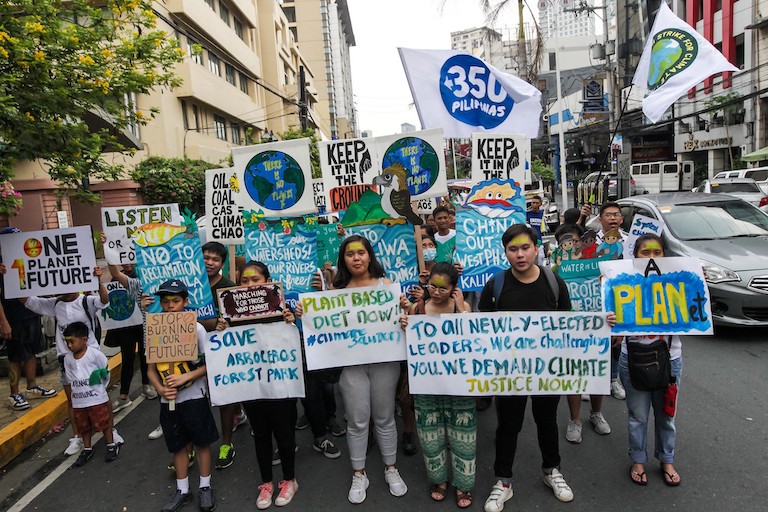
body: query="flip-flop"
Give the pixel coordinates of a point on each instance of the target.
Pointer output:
(436, 490)
(669, 478)
(642, 476)
(460, 496)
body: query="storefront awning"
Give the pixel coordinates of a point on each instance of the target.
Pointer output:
(756, 156)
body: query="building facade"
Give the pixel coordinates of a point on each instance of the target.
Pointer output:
(570, 24)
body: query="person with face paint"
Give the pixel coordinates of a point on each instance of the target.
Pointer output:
(367, 389)
(449, 441)
(639, 403)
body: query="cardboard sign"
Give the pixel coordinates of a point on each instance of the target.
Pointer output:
(172, 252)
(251, 302)
(352, 326)
(641, 225)
(51, 262)
(502, 157)
(171, 337)
(520, 353)
(275, 178)
(120, 223)
(657, 296)
(395, 248)
(224, 219)
(348, 167)
(254, 362)
(123, 309)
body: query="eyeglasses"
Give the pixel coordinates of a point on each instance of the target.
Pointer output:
(613, 215)
(437, 289)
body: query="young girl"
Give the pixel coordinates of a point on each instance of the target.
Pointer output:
(367, 389)
(639, 402)
(455, 414)
(271, 417)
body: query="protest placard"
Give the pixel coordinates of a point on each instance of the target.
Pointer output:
(657, 296)
(51, 262)
(121, 222)
(287, 247)
(426, 206)
(171, 337)
(123, 309)
(172, 252)
(395, 248)
(224, 219)
(328, 242)
(352, 326)
(254, 362)
(318, 192)
(251, 302)
(582, 277)
(421, 156)
(348, 167)
(520, 353)
(479, 248)
(641, 225)
(275, 178)
(499, 156)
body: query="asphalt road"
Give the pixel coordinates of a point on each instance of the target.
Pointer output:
(722, 457)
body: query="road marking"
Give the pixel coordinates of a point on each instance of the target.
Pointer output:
(56, 473)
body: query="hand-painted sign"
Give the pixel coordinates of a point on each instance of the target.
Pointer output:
(251, 302)
(224, 213)
(395, 248)
(352, 326)
(657, 296)
(121, 223)
(426, 206)
(583, 280)
(287, 247)
(641, 225)
(525, 353)
(318, 192)
(501, 157)
(275, 178)
(420, 155)
(328, 243)
(349, 167)
(254, 362)
(172, 252)
(123, 309)
(171, 337)
(50, 262)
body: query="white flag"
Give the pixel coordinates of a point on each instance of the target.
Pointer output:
(675, 59)
(462, 94)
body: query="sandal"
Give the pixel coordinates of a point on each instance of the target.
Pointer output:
(639, 478)
(437, 493)
(669, 478)
(463, 499)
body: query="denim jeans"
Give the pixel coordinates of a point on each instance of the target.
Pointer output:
(639, 405)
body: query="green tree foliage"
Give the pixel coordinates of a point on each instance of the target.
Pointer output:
(314, 154)
(545, 171)
(173, 180)
(61, 60)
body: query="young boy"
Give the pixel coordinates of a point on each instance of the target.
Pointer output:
(191, 421)
(88, 373)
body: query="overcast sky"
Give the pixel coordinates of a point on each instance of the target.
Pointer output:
(382, 96)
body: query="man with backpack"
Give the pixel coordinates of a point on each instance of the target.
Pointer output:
(525, 287)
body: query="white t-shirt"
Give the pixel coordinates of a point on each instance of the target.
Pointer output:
(445, 238)
(78, 372)
(199, 387)
(66, 313)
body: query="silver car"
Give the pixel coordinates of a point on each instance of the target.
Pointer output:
(729, 235)
(743, 188)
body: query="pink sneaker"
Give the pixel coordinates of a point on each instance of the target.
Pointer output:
(287, 489)
(265, 496)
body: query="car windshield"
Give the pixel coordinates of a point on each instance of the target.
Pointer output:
(711, 221)
(728, 188)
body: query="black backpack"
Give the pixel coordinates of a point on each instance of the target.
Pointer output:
(498, 284)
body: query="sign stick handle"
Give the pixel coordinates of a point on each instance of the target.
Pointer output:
(232, 265)
(172, 403)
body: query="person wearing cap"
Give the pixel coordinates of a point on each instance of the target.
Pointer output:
(22, 333)
(191, 421)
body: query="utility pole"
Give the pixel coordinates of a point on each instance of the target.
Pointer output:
(303, 107)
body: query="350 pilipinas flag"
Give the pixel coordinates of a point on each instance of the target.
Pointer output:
(675, 59)
(462, 94)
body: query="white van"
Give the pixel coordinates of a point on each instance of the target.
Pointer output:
(759, 174)
(655, 177)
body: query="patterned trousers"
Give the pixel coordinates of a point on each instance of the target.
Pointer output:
(443, 422)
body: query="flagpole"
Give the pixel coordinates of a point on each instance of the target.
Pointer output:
(561, 134)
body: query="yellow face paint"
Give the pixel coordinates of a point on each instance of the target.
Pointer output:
(651, 244)
(356, 246)
(439, 281)
(250, 272)
(521, 239)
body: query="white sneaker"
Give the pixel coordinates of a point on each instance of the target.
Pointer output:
(617, 390)
(357, 490)
(120, 404)
(573, 432)
(75, 445)
(500, 494)
(148, 392)
(117, 438)
(287, 489)
(397, 486)
(556, 482)
(157, 433)
(598, 421)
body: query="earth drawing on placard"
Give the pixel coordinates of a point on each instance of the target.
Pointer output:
(274, 180)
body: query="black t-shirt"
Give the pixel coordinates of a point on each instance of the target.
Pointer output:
(223, 283)
(517, 296)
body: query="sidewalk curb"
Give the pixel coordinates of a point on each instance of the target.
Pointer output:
(35, 424)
